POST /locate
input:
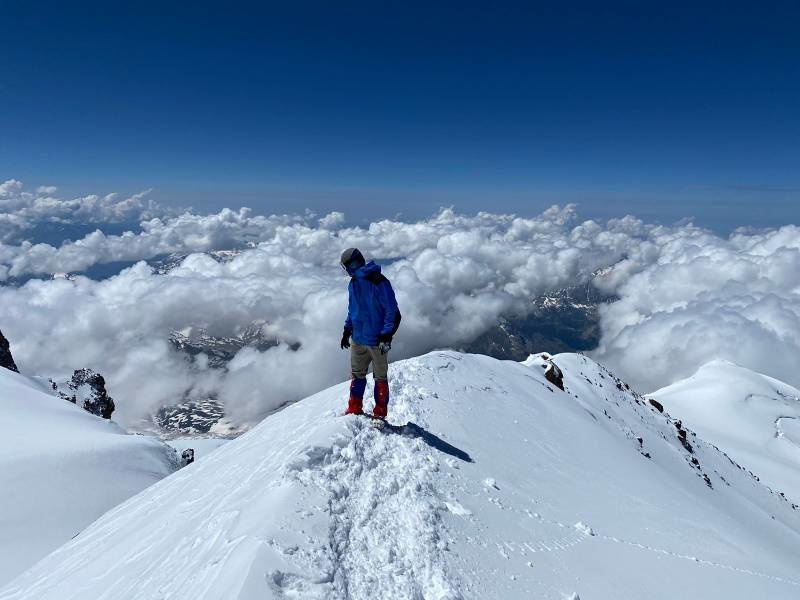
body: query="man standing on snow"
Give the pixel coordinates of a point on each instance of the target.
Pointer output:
(372, 320)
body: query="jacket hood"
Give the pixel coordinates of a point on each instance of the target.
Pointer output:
(367, 270)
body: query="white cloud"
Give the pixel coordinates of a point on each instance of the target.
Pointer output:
(20, 209)
(454, 276)
(333, 220)
(686, 296)
(701, 298)
(9, 188)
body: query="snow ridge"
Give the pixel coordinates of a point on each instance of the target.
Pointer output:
(530, 492)
(751, 417)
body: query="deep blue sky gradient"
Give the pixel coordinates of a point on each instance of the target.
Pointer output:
(661, 109)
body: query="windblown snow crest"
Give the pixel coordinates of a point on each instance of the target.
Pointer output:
(489, 482)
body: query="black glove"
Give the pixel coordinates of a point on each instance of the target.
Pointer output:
(345, 339)
(385, 338)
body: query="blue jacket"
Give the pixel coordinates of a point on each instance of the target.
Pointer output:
(372, 308)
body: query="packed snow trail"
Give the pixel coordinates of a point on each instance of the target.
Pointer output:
(383, 510)
(501, 487)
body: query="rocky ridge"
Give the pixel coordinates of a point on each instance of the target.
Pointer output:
(6, 360)
(88, 389)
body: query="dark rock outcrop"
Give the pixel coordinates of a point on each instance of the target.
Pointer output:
(682, 437)
(90, 388)
(656, 404)
(554, 375)
(6, 360)
(551, 371)
(187, 456)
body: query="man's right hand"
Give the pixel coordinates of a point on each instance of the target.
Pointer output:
(345, 339)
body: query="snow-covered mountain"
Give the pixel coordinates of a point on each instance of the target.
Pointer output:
(193, 418)
(165, 263)
(204, 416)
(564, 320)
(61, 468)
(490, 483)
(219, 351)
(752, 417)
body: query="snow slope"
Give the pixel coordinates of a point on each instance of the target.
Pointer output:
(60, 469)
(501, 486)
(753, 418)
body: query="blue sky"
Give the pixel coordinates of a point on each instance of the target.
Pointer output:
(385, 108)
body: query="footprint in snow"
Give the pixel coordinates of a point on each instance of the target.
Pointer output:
(584, 528)
(457, 509)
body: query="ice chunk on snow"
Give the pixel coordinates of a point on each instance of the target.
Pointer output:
(457, 509)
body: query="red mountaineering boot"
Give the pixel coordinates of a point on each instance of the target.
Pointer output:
(354, 405)
(381, 399)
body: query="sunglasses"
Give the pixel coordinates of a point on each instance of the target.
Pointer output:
(351, 266)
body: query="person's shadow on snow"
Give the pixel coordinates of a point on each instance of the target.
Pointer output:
(434, 441)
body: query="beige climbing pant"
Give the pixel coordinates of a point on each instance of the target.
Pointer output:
(362, 356)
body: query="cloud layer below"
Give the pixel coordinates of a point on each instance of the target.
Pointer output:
(686, 296)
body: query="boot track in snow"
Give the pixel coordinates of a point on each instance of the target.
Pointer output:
(385, 532)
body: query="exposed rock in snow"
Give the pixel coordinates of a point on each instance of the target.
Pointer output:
(200, 447)
(187, 456)
(6, 360)
(312, 504)
(551, 371)
(87, 389)
(553, 374)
